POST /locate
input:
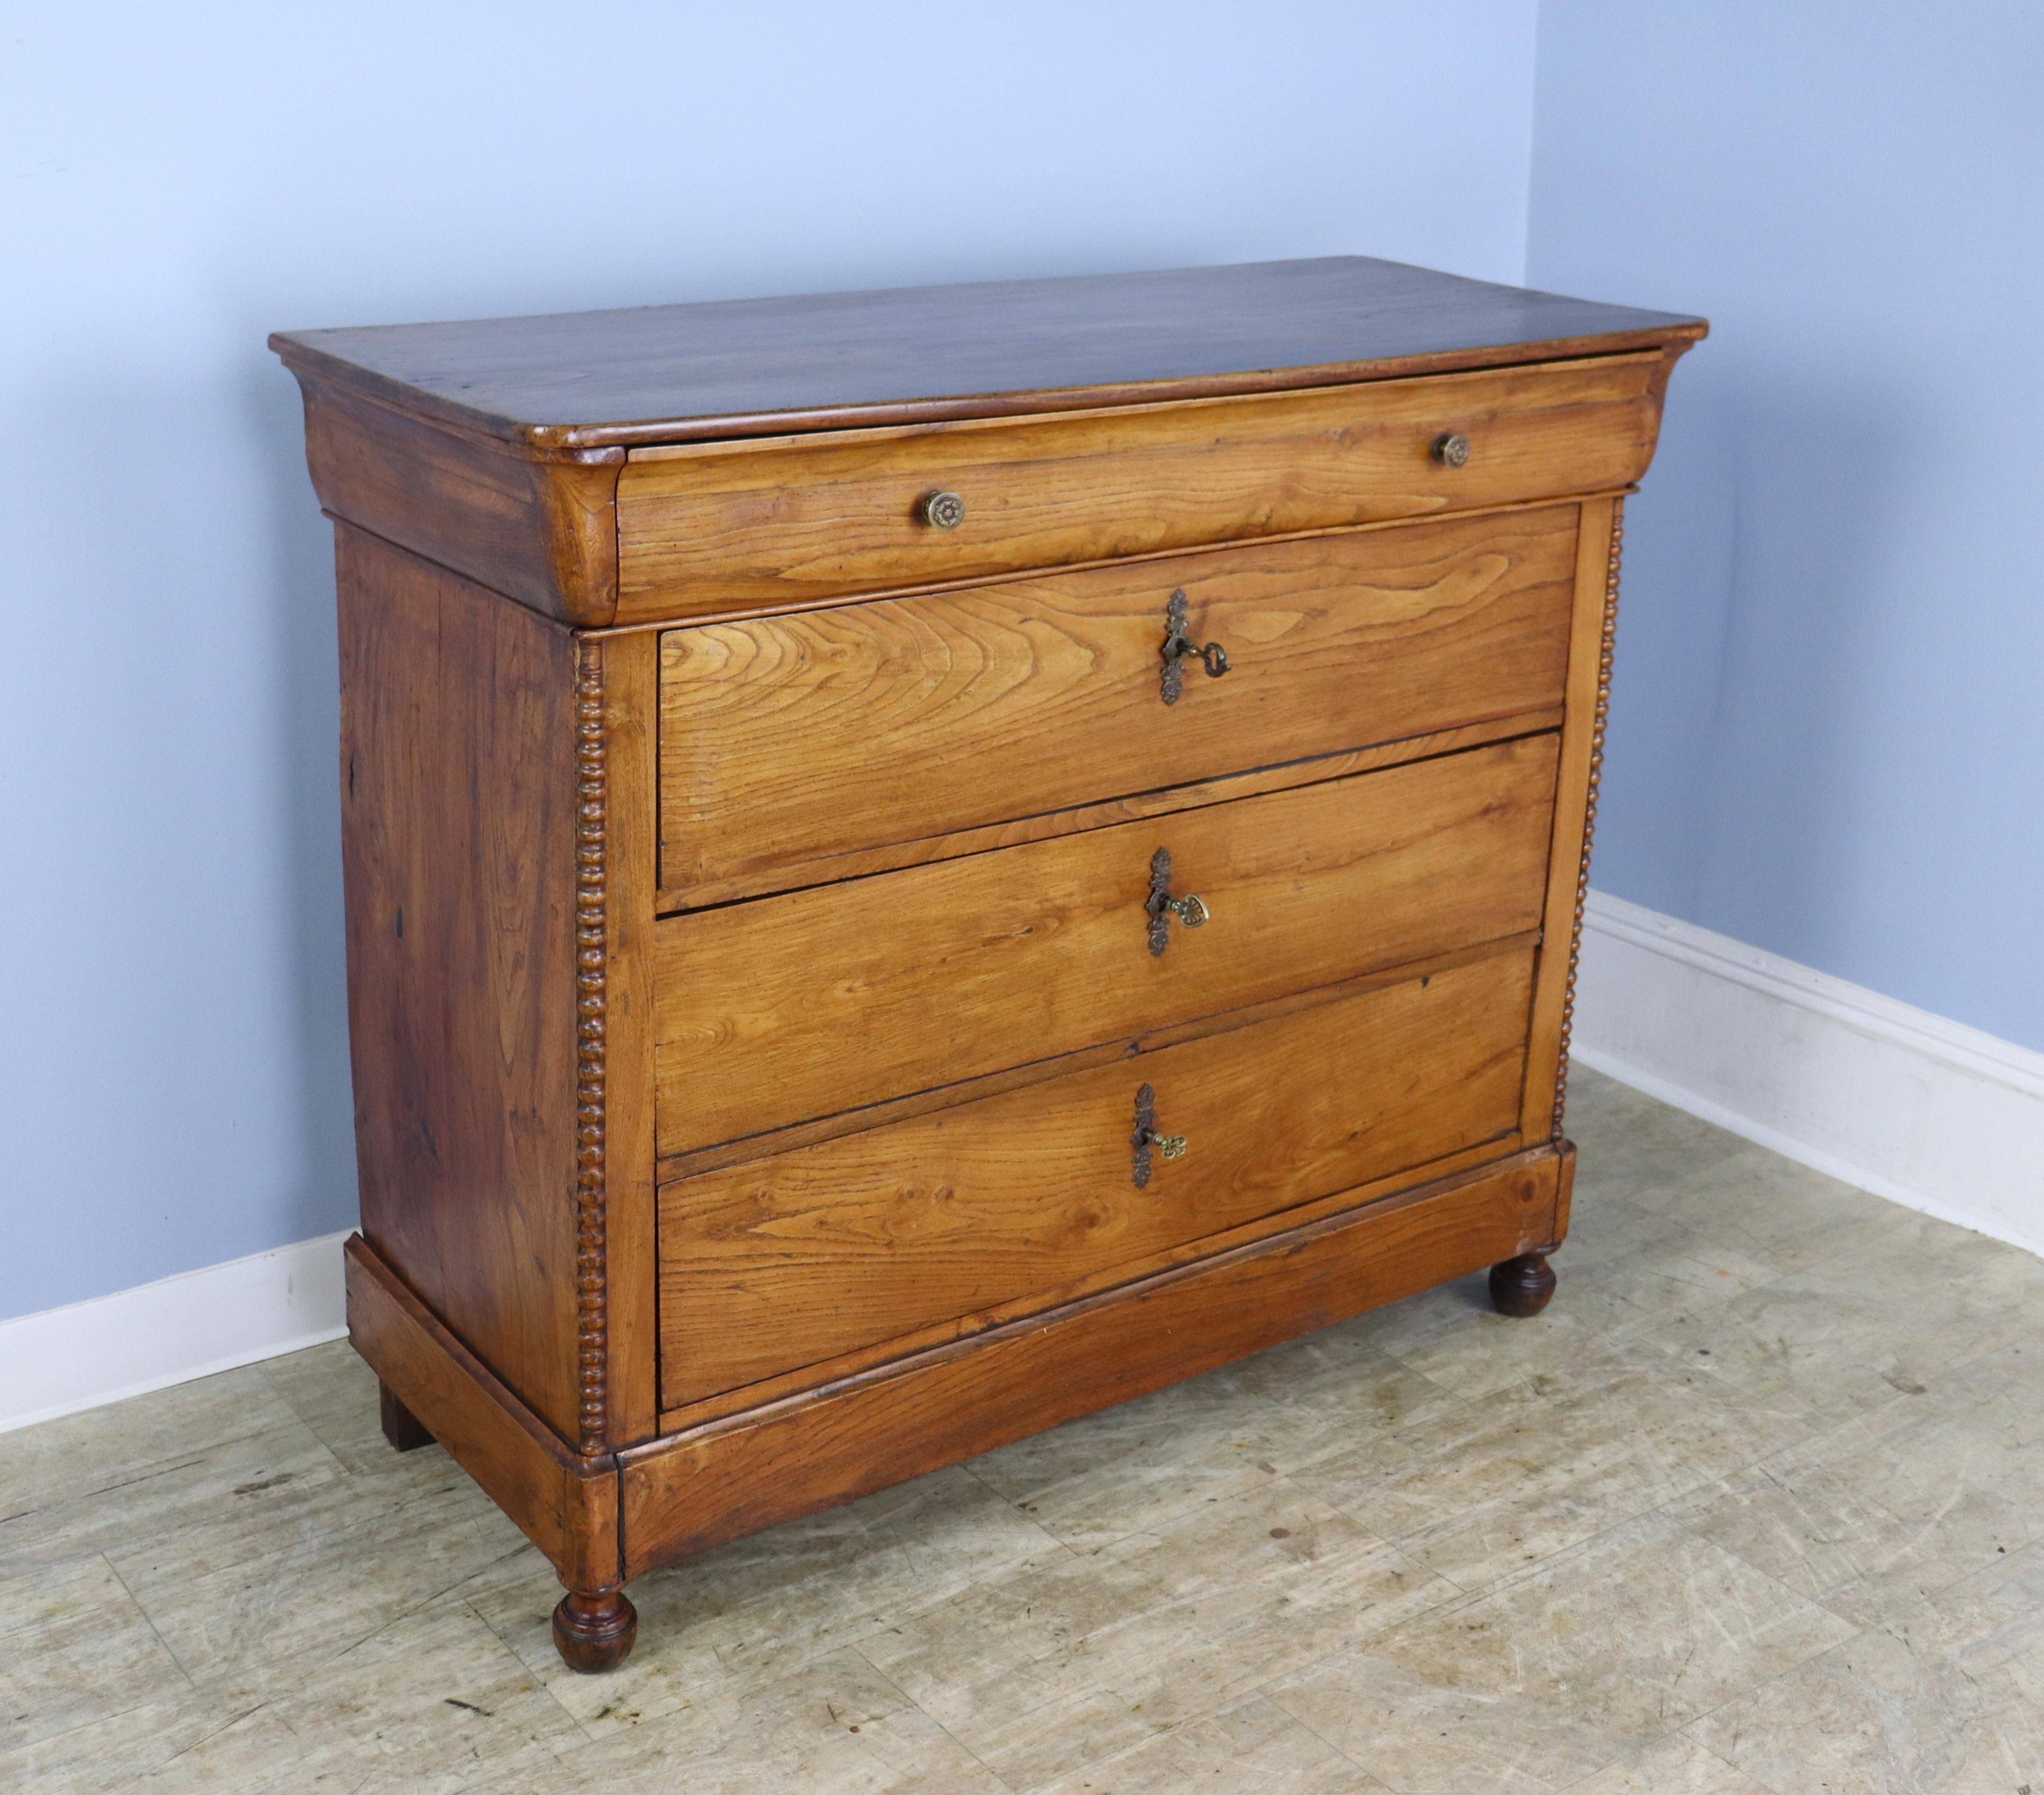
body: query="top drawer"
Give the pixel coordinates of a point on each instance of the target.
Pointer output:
(723, 528)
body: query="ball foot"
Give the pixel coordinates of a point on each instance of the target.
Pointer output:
(1522, 1287)
(595, 1632)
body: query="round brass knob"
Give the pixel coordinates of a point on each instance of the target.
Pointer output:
(943, 510)
(1451, 449)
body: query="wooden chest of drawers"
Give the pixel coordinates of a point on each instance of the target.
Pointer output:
(921, 863)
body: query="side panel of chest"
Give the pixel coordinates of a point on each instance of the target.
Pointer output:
(457, 797)
(497, 801)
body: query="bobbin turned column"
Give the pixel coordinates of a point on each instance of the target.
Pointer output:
(595, 1630)
(1521, 1287)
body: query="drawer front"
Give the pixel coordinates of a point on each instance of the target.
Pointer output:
(811, 1003)
(787, 743)
(787, 1262)
(720, 528)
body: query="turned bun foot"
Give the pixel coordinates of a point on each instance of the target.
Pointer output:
(403, 1429)
(1522, 1287)
(595, 1632)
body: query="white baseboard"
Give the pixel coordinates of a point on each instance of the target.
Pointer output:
(155, 1335)
(1925, 1112)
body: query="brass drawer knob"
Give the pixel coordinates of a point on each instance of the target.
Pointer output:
(1146, 1137)
(943, 510)
(1191, 909)
(1179, 646)
(1451, 449)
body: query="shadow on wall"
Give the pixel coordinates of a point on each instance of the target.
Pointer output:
(171, 758)
(1674, 620)
(1785, 858)
(1753, 555)
(306, 691)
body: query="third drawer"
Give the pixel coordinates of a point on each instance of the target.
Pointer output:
(787, 1009)
(1032, 1197)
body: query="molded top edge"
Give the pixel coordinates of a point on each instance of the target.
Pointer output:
(666, 374)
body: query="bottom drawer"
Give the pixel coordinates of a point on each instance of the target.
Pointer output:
(768, 1267)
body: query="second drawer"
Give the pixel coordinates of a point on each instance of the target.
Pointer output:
(785, 1263)
(790, 1008)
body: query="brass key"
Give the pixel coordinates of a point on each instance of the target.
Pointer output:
(1146, 1136)
(1190, 909)
(1179, 646)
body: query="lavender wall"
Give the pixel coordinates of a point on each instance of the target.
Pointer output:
(1827, 737)
(176, 182)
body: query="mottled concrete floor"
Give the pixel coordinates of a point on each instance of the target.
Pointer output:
(1758, 1504)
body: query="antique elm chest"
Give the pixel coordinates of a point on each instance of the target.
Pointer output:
(920, 863)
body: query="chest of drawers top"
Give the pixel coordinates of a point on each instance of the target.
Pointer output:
(640, 465)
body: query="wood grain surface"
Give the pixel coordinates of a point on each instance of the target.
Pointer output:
(674, 1167)
(458, 857)
(737, 367)
(1161, 801)
(544, 532)
(857, 992)
(781, 1264)
(735, 1476)
(716, 527)
(789, 745)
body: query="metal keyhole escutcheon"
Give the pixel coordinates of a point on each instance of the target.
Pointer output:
(1191, 909)
(1146, 1136)
(1180, 648)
